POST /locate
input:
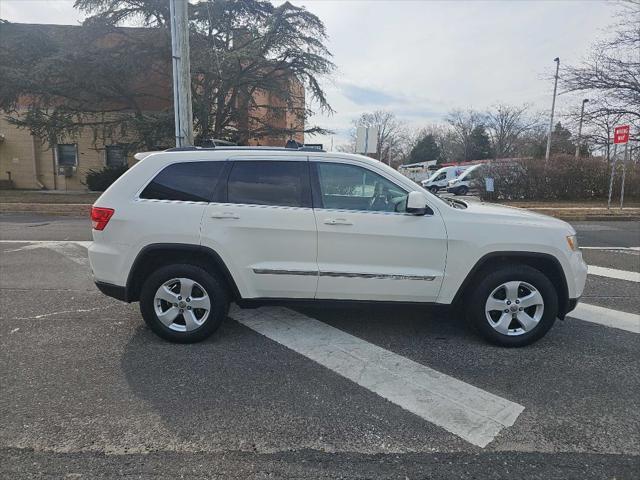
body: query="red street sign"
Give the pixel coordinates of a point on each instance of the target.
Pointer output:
(621, 134)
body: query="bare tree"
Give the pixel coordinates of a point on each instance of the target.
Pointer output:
(507, 125)
(611, 73)
(393, 136)
(599, 122)
(463, 124)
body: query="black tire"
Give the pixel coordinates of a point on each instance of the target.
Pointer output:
(462, 190)
(434, 189)
(477, 317)
(213, 287)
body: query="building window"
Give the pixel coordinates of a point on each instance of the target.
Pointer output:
(115, 156)
(67, 154)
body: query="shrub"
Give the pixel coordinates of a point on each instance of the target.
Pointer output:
(562, 178)
(100, 180)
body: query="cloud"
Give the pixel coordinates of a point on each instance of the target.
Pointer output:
(361, 95)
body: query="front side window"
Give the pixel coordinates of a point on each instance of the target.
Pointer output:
(67, 154)
(349, 187)
(277, 183)
(115, 156)
(188, 181)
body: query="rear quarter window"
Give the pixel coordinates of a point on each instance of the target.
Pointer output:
(186, 181)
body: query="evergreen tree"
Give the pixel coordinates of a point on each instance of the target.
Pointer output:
(424, 150)
(480, 145)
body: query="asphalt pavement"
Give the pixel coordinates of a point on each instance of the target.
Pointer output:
(89, 392)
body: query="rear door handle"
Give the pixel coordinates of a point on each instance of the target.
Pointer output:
(337, 221)
(224, 215)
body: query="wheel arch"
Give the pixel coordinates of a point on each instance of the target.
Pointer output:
(157, 255)
(545, 263)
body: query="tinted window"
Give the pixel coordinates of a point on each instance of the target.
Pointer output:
(348, 187)
(189, 181)
(269, 183)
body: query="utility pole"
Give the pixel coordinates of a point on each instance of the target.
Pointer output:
(553, 107)
(181, 72)
(580, 128)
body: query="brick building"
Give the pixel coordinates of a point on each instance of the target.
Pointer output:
(30, 163)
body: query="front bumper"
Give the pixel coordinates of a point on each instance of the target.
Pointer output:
(570, 306)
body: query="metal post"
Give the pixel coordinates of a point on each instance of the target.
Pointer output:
(181, 72)
(624, 171)
(553, 107)
(580, 128)
(613, 170)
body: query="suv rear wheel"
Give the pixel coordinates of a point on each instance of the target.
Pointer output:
(513, 306)
(183, 303)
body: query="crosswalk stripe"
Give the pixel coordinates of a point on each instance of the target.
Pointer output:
(606, 316)
(614, 273)
(471, 413)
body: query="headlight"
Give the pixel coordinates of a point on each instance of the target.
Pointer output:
(572, 241)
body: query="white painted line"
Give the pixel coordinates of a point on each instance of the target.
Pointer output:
(606, 316)
(613, 273)
(610, 248)
(48, 242)
(473, 414)
(63, 247)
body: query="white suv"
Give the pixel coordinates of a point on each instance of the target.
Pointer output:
(187, 231)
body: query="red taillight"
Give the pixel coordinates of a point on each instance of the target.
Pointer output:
(100, 217)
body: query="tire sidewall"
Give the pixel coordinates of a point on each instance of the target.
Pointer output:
(213, 287)
(524, 273)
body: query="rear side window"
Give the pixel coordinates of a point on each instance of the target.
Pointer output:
(270, 183)
(188, 181)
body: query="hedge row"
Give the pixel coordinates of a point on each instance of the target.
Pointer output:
(562, 178)
(100, 180)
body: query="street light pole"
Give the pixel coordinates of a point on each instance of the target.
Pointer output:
(580, 128)
(181, 72)
(553, 107)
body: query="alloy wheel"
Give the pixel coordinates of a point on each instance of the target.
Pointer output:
(182, 304)
(514, 308)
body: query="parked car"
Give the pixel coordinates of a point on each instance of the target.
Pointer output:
(462, 184)
(186, 232)
(441, 177)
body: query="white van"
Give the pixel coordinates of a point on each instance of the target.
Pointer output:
(440, 178)
(463, 183)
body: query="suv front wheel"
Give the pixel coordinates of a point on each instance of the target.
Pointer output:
(513, 306)
(183, 303)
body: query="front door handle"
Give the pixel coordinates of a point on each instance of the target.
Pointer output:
(337, 221)
(224, 215)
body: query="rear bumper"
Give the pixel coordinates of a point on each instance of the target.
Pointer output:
(114, 291)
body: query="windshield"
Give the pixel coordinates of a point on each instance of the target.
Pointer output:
(467, 172)
(435, 174)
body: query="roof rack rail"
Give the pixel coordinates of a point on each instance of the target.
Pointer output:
(285, 149)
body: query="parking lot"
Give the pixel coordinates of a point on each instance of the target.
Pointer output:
(89, 392)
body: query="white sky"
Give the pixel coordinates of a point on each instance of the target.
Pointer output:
(420, 59)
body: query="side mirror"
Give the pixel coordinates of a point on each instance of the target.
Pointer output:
(417, 204)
